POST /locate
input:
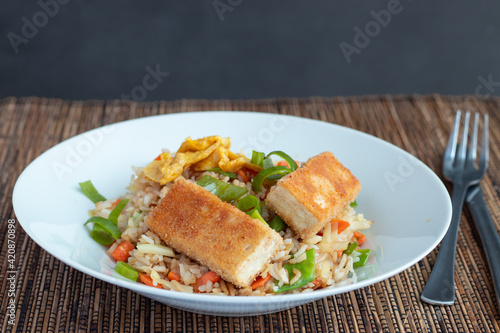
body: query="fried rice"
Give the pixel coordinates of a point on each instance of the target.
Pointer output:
(332, 267)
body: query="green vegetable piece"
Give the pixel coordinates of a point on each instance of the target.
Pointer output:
(363, 258)
(351, 247)
(231, 175)
(257, 157)
(101, 235)
(306, 269)
(256, 215)
(107, 225)
(291, 163)
(249, 204)
(267, 163)
(90, 191)
(115, 213)
(266, 173)
(225, 191)
(126, 271)
(353, 204)
(277, 224)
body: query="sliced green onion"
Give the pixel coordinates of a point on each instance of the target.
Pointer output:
(351, 247)
(231, 175)
(90, 191)
(225, 191)
(363, 258)
(101, 235)
(353, 204)
(107, 225)
(115, 213)
(248, 204)
(306, 268)
(277, 224)
(126, 271)
(256, 215)
(156, 249)
(257, 157)
(251, 206)
(267, 163)
(291, 163)
(266, 173)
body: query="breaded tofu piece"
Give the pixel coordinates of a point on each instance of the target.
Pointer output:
(216, 234)
(314, 194)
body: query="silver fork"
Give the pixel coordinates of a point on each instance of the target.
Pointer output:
(459, 166)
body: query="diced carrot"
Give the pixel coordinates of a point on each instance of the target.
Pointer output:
(360, 237)
(339, 253)
(173, 276)
(209, 276)
(158, 158)
(243, 175)
(148, 281)
(283, 163)
(260, 281)
(316, 282)
(341, 225)
(121, 253)
(117, 202)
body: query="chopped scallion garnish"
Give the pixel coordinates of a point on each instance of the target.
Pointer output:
(291, 163)
(277, 224)
(126, 271)
(351, 247)
(101, 235)
(225, 191)
(256, 215)
(266, 173)
(257, 157)
(248, 204)
(363, 256)
(267, 163)
(107, 225)
(90, 191)
(115, 213)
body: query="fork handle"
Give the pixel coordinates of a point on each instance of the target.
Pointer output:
(488, 234)
(440, 288)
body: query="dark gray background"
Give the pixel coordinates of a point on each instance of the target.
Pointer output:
(100, 50)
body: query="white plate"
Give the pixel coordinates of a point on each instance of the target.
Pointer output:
(408, 202)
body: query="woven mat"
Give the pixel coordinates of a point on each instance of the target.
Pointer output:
(51, 296)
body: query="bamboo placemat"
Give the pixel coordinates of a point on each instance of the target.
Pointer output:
(50, 296)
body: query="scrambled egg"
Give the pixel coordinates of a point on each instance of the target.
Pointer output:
(203, 154)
